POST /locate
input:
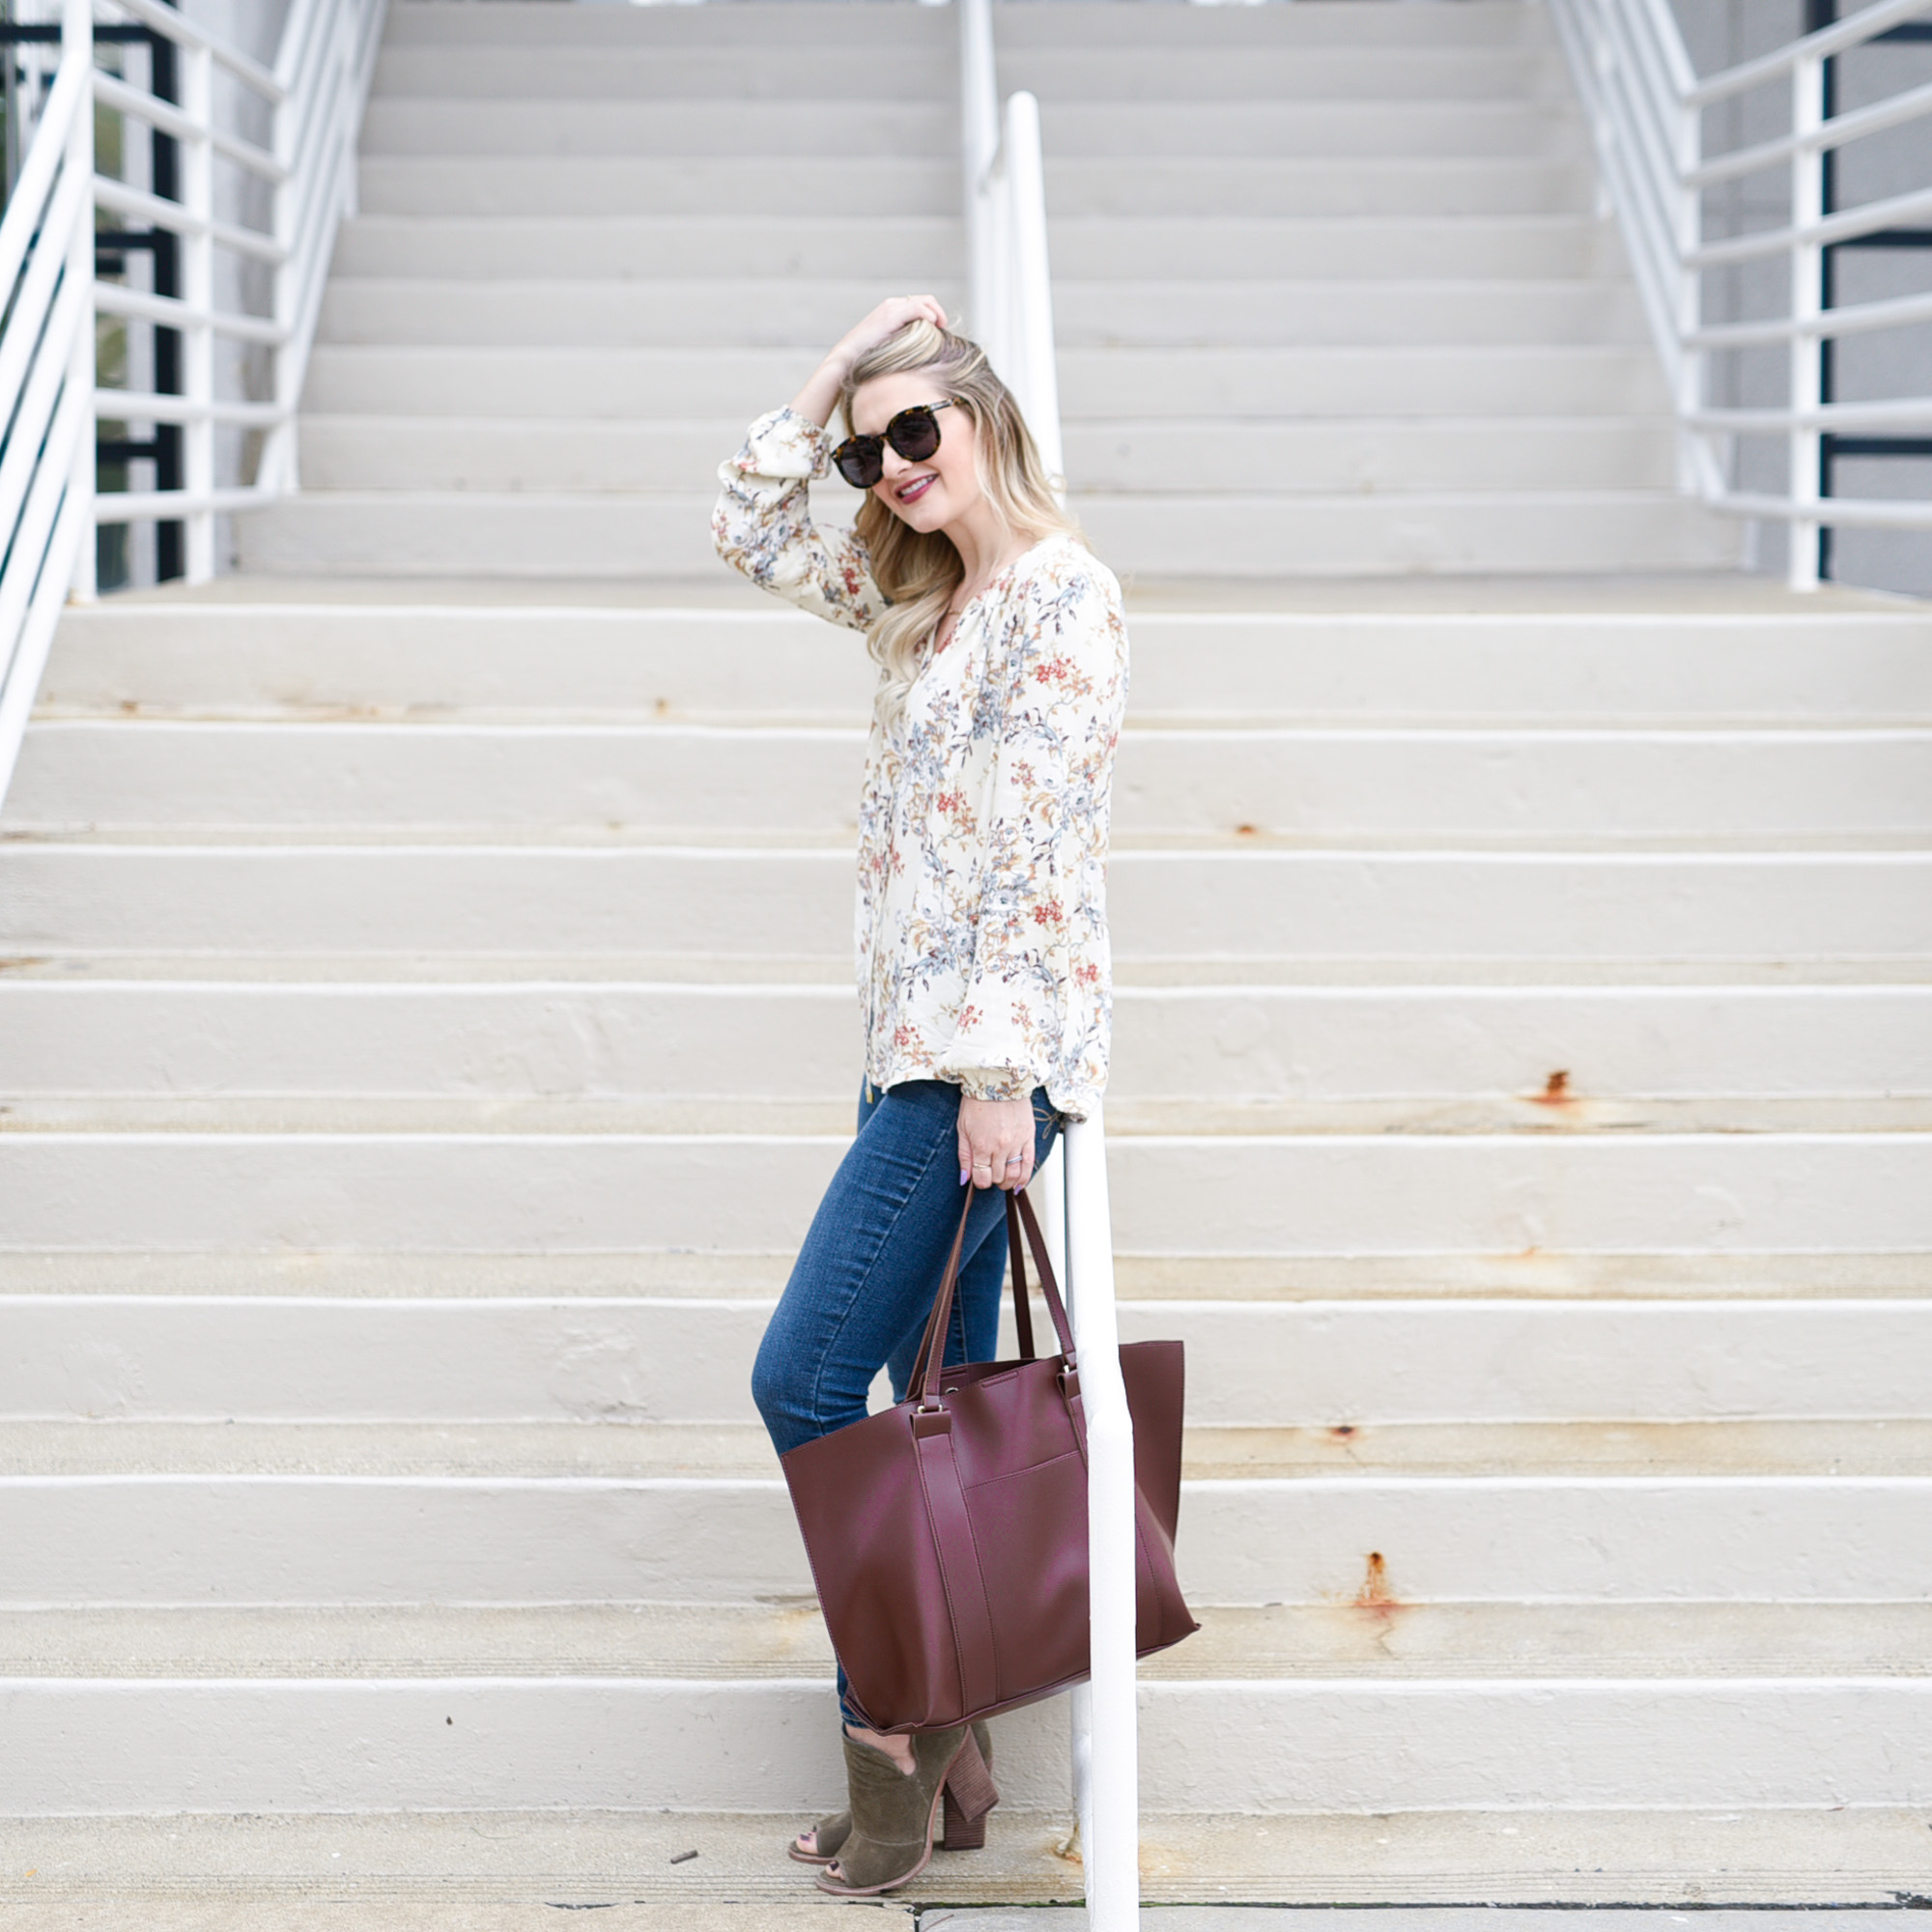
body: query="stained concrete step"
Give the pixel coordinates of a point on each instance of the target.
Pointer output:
(534, 535)
(550, 315)
(745, 74)
(312, 782)
(1343, 1373)
(1124, 183)
(1846, 1275)
(1472, 532)
(404, 452)
(287, 1704)
(760, 311)
(583, 186)
(139, 1513)
(669, 1642)
(508, 1870)
(711, 105)
(1116, 384)
(1359, 249)
(1732, 657)
(1098, 72)
(803, 25)
(931, 248)
(191, 1191)
(578, 900)
(927, 248)
(1580, 1055)
(692, 118)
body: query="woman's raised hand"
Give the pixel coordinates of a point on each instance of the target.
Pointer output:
(820, 396)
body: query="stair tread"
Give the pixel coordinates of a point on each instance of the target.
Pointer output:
(442, 1863)
(1177, 1277)
(1129, 1117)
(1372, 1641)
(726, 1453)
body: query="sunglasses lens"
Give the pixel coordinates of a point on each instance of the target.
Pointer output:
(913, 433)
(860, 461)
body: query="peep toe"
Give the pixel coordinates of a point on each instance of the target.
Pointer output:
(894, 1814)
(958, 1833)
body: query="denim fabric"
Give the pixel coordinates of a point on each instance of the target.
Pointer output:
(863, 1286)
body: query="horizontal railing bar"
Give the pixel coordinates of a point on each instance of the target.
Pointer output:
(1834, 133)
(1855, 512)
(159, 213)
(144, 405)
(1867, 218)
(173, 313)
(169, 119)
(1813, 46)
(137, 506)
(184, 33)
(1905, 413)
(1855, 319)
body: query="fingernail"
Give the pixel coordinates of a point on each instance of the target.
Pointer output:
(964, 1177)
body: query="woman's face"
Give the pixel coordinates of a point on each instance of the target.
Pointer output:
(943, 489)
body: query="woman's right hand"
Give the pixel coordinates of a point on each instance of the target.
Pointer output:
(820, 396)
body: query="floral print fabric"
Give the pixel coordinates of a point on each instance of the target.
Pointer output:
(982, 921)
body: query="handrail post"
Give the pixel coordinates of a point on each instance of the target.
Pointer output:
(979, 148)
(1807, 292)
(77, 43)
(197, 257)
(1110, 1813)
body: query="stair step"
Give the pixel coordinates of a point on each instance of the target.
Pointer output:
(553, 535)
(1351, 1194)
(623, 315)
(1126, 183)
(1788, 660)
(439, 453)
(1362, 248)
(1518, 1279)
(1325, 785)
(695, 114)
(1441, 1055)
(928, 248)
(418, 1866)
(1357, 1380)
(581, 899)
(142, 1513)
(664, 311)
(583, 185)
(1383, 1642)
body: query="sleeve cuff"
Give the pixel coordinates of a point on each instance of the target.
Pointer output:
(782, 443)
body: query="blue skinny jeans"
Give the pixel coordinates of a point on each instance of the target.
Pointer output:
(864, 1280)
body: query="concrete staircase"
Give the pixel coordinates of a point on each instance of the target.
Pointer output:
(1520, 1110)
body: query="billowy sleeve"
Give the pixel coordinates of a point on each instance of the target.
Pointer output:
(762, 525)
(1039, 1000)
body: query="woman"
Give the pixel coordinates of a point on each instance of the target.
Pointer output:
(982, 925)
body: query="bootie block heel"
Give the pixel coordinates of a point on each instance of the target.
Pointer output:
(894, 1814)
(970, 1793)
(960, 1833)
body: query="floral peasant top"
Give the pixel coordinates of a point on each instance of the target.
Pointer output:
(981, 919)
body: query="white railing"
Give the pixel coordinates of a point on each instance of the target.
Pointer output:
(1009, 310)
(305, 173)
(1646, 109)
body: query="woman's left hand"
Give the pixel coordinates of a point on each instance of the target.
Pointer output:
(995, 1142)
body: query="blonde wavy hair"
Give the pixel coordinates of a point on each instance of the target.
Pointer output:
(918, 572)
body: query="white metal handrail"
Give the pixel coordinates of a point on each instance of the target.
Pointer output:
(1010, 311)
(1645, 106)
(51, 294)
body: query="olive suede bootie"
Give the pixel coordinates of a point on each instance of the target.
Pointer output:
(959, 1833)
(893, 1813)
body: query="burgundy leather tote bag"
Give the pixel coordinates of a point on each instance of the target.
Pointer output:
(947, 1534)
